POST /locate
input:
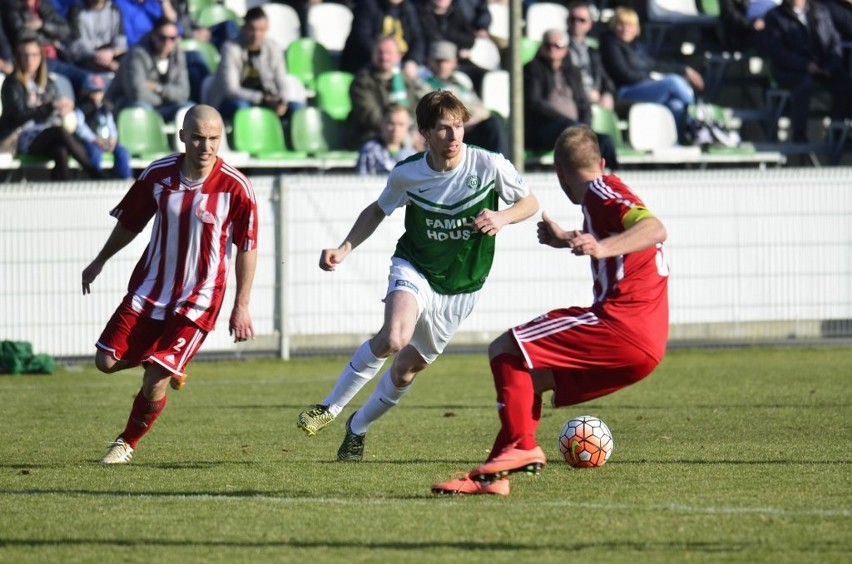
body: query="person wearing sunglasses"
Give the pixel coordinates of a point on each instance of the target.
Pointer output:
(154, 73)
(554, 97)
(597, 83)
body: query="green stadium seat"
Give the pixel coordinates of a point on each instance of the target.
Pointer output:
(142, 132)
(318, 134)
(606, 121)
(208, 16)
(258, 132)
(207, 50)
(307, 59)
(333, 93)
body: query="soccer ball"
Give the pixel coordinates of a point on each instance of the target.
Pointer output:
(585, 442)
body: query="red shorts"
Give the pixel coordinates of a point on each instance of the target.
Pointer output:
(588, 359)
(137, 339)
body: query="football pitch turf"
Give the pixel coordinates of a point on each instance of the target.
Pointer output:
(726, 455)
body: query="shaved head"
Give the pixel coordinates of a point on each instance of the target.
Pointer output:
(199, 113)
(202, 134)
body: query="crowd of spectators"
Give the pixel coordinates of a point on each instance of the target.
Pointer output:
(396, 51)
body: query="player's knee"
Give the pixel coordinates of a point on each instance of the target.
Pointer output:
(386, 344)
(106, 363)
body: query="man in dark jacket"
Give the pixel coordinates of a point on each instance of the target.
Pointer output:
(554, 98)
(376, 18)
(154, 73)
(805, 49)
(376, 86)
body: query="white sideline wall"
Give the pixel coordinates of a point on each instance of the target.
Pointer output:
(754, 255)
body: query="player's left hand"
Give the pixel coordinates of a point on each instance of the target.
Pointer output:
(89, 274)
(240, 325)
(488, 222)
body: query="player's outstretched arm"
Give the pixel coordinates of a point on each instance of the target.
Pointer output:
(240, 325)
(645, 233)
(490, 222)
(366, 224)
(118, 239)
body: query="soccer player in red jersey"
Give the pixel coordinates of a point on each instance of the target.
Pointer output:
(201, 206)
(580, 353)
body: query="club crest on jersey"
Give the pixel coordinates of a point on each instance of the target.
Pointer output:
(202, 213)
(473, 182)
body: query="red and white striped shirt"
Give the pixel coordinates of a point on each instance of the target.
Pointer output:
(631, 290)
(184, 270)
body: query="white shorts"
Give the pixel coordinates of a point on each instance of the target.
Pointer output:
(438, 315)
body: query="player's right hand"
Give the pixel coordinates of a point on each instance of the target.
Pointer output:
(550, 234)
(89, 274)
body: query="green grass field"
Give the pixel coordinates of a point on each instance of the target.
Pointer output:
(720, 456)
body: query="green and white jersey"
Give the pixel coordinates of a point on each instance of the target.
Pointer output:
(439, 239)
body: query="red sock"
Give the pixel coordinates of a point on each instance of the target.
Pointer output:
(520, 406)
(142, 416)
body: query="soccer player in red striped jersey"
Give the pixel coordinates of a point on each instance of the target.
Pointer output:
(579, 353)
(201, 207)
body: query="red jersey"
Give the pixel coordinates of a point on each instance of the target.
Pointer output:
(184, 270)
(631, 291)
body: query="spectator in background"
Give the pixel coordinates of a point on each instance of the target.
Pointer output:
(841, 17)
(35, 119)
(153, 73)
(64, 6)
(7, 57)
(633, 70)
(805, 50)
(743, 23)
(139, 16)
(443, 22)
(379, 18)
(596, 82)
(482, 129)
(38, 17)
(476, 13)
(554, 97)
(380, 154)
(41, 18)
(376, 86)
(98, 40)
(251, 72)
(97, 130)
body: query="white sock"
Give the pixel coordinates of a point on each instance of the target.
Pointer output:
(362, 367)
(384, 397)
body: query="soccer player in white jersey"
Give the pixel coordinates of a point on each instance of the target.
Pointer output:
(450, 193)
(200, 206)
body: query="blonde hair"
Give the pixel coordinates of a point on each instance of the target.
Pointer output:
(577, 148)
(625, 15)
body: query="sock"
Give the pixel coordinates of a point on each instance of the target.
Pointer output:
(518, 406)
(384, 397)
(362, 367)
(142, 416)
(502, 440)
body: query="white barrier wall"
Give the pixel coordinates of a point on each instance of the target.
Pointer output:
(754, 255)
